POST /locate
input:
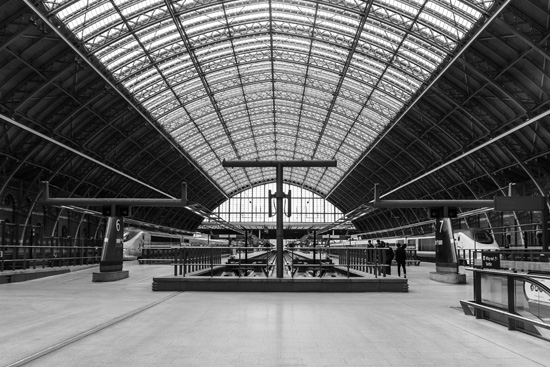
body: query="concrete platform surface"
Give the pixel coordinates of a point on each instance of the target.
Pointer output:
(68, 320)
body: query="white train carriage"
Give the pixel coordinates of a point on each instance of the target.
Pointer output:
(135, 240)
(466, 241)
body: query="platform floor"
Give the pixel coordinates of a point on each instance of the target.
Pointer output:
(67, 320)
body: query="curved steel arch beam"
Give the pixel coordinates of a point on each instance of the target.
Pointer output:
(74, 151)
(110, 83)
(423, 92)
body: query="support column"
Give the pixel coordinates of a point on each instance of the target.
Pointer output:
(314, 243)
(544, 222)
(279, 195)
(115, 208)
(110, 266)
(446, 260)
(246, 246)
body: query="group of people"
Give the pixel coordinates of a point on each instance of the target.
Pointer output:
(400, 256)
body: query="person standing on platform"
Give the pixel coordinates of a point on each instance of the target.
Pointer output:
(389, 259)
(401, 258)
(508, 237)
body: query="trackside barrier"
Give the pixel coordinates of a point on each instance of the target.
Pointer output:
(24, 247)
(50, 255)
(505, 259)
(191, 259)
(517, 300)
(366, 259)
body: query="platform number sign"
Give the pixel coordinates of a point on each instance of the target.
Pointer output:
(490, 260)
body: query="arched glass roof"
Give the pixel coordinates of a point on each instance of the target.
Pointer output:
(265, 80)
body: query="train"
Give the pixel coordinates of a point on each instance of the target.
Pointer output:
(466, 241)
(135, 240)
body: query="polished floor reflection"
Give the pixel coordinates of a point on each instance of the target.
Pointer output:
(124, 323)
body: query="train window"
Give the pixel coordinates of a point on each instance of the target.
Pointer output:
(426, 244)
(483, 237)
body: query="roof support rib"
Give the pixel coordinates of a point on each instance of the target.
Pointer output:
(418, 96)
(131, 103)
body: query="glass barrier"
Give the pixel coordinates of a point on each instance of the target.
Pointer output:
(520, 301)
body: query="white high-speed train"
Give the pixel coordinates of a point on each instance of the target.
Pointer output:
(135, 240)
(465, 240)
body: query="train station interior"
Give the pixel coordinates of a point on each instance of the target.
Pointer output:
(274, 183)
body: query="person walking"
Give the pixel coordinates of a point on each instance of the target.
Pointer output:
(401, 258)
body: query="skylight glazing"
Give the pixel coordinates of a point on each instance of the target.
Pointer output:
(273, 79)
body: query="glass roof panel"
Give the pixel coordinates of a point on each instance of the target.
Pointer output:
(243, 79)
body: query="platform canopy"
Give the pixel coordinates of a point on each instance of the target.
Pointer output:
(257, 80)
(430, 99)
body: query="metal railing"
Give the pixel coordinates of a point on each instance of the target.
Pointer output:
(349, 261)
(519, 301)
(24, 247)
(50, 255)
(193, 260)
(505, 259)
(363, 259)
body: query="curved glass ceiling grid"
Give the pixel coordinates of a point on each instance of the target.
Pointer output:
(296, 174)
(355, 89)
(241, 119)
(174, 72)
(166, 107)
(316, 99)
(231, 103)
(177, 70)
(236, 115)
(227, 81)
(424, 44)
(337, 134)
(318, 88)
(367, 70)
(161, 100)
(176, 128)
(175, 119)
(102, 16)
(364, 133)
(167, 54)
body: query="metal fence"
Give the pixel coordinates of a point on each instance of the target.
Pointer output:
(54, 253)
(506, 259)
(24, 247)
